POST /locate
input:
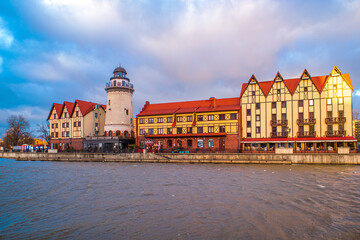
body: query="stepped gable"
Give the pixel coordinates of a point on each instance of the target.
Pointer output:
(210, 105)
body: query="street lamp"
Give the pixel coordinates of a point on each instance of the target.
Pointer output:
(288, 130)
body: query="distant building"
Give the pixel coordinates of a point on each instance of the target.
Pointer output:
(356, 129)
(195, 126)
(310, 113)
(70, 123)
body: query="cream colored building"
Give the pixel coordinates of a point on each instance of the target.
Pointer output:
(70, 123)
(308, 113)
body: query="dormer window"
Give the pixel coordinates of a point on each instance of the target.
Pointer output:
(54, 115)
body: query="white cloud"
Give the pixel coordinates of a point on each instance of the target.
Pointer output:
(356, 93)
(6, 38)
(28, 112)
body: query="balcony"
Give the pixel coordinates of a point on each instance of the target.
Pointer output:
(308, 121)
(275, 123)
(334, 120)
(306, 134)
(278, 134)
(339, 133)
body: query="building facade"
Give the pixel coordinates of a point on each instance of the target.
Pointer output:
(70, 123)
(195, 126)
(307, 113)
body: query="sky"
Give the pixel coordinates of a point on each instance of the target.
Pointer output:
(62, 50)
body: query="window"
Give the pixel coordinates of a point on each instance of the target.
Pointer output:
(96, 124)
(169, 120)
(67, 134)
(56, 134)
(189, 129)
(54, 115)
(273, 117)
(257, 117)
(274, 130)
(341, 113)
(74, 124)
(283, 116)
(67, 124)
(341, 100)
(341, 127)
(169, 131)
(248, 112)
(160, 120)
(329, 114)
(189, 118)
(62, 134)
(150, 120)
(301, 103)
(233, 116)
(52, 134)
(248, 124)
(222, 129)
(221, 116)
(56, 125)
(253, 93)
(312, 128)
(283, 104)
(257, 105)
(151, 131)
(301, 116)
(278, 91)
(189, 143)
(248, 135)
(109, 102)
(77, 112)
(301, 129)
(141, 120)
(328, 101)
(211, 129)
(257, 129)
(65, 115)
(179, 119)
(160, 131)
(211, 143)
(311, 115)
(169, 143)
(200, 130)
(211, 117)
(311, 102)
(329, 127)
(52, 125)
(63, 125)
(200, 117)
(200, 143)
(127, 111)
(305, 89)
(273, 105)
(79, 124)
(179, 130)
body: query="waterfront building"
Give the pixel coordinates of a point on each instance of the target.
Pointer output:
(307, 113)
(70, 123)
(196, 126)
(356, 129)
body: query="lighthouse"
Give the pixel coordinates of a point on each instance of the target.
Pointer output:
(119, 105)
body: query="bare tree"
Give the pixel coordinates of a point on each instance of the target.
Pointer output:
(43, 130)
(356, 115)
(17, 134)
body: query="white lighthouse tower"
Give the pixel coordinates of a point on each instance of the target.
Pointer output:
(119, 105)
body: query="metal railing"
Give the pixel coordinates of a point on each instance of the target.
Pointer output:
(278, 123)
(336, 133)
(307, 121)
(278, 134)
(334, 120)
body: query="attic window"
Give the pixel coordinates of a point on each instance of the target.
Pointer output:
(54, 115)
(278, 91)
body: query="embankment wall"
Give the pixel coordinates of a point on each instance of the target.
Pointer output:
(189, 158)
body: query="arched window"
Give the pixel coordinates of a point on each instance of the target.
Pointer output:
(123, 83)
(110, 133)
(169, 143)
(117, 133)
(211, 143)
(200, 143)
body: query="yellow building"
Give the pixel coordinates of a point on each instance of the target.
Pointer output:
(309, 113)
(70, 123)
(38, 142)
(206, 125)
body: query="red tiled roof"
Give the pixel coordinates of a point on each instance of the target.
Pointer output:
(348, 80)
(69, 106)
(291, 84)
(85, 107)
(266, 86)
(315, 139)
(210, 105)
(58, 107)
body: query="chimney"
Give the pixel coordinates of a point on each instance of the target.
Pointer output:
(213, 103)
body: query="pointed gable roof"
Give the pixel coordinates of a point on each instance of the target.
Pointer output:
(69, 107)
(85, 107)
(58, 108)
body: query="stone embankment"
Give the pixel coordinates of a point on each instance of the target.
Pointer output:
(189, 158)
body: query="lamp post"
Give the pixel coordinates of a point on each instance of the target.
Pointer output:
(288, 130)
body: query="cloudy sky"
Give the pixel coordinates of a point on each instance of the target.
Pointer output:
(62, 50)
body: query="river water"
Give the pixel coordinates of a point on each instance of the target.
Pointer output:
(67, 200)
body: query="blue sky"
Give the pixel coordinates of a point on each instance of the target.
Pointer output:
(62, 50)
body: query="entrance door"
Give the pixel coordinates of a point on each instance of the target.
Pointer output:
(222, 144)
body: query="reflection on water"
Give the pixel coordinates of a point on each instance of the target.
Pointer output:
(178, 201)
